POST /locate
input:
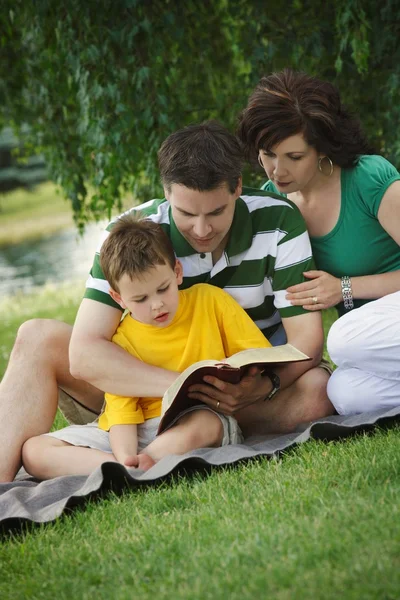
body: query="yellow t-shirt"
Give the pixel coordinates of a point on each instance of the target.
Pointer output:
(209, 324)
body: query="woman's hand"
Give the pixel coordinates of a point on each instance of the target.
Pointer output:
(229, 398)
(322, 291)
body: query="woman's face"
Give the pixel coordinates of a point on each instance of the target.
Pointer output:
(291, 165)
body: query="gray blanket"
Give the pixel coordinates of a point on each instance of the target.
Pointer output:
(28, 501)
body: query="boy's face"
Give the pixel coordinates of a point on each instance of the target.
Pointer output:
(153, 297)
(203, 218)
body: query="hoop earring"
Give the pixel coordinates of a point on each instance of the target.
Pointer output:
(260, 162)
(321, 158)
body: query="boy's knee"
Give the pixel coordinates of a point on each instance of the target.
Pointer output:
(203, 428)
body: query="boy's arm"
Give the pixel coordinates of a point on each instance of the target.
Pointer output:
(97, 360)
(123, 442)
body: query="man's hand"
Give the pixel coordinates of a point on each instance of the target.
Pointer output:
(229, 398)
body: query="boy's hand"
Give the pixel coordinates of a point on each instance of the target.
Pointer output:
(144, 462)
(229, 398)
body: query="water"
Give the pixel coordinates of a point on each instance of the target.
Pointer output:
(59, 258)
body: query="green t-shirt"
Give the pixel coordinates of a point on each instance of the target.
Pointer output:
(358, 244)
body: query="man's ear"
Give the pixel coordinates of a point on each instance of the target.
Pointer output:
(117, 298)
(178, 271)
(239, 187)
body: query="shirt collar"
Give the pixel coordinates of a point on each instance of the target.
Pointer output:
(241, 232)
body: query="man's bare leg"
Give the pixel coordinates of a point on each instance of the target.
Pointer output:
(29, 390)
(305, 400)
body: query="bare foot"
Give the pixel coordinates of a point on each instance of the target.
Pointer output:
(141, 461)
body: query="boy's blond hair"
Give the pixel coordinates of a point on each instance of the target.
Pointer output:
(134, 246)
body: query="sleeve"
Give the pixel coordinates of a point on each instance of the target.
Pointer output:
(120, 410)
(293, 257)
(97, 287)
(268, 186)
(373, 175)
(237, 329)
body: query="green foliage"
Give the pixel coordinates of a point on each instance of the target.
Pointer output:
(102, 84)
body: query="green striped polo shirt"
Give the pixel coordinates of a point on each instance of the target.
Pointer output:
(267, 251)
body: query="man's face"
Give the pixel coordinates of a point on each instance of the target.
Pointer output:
(203, 218)
(152, 298)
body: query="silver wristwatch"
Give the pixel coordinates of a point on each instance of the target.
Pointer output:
(276, 384)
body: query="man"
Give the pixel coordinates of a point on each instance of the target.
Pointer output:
(254, 246)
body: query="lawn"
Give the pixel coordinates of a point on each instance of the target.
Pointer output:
(26, 215)
(321, 523)
(29, 215)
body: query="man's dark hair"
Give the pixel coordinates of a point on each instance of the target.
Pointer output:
(289, 102)
(201, 157)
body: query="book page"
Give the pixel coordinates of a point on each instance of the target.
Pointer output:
(275, 354)
(231, 369)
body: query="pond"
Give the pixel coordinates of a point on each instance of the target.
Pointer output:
(59, 258)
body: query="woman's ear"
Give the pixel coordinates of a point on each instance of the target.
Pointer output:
(178, 271)
(117, 298)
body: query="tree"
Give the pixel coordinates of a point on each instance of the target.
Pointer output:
(101, 84)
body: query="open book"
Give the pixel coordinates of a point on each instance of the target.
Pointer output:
(230, 369)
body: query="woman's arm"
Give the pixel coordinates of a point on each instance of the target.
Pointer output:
(327, 289)
(97, 360)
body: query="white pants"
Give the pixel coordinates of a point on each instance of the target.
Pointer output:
(365, 345)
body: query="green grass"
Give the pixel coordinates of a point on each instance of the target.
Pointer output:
(26, 215)
(321, 523)
(29, 215)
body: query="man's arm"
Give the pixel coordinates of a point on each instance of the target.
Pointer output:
(306, 335)
(302, 332)
(97, 360)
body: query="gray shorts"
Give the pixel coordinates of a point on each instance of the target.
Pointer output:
(91, 436)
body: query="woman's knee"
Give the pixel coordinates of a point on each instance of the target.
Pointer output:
(346, 397)
(345, 339)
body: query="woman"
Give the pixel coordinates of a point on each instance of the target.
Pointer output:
(314, 152)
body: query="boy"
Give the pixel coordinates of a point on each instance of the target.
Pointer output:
(165, 327)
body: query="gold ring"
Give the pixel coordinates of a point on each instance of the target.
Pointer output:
(218, 403)
(315, 299)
